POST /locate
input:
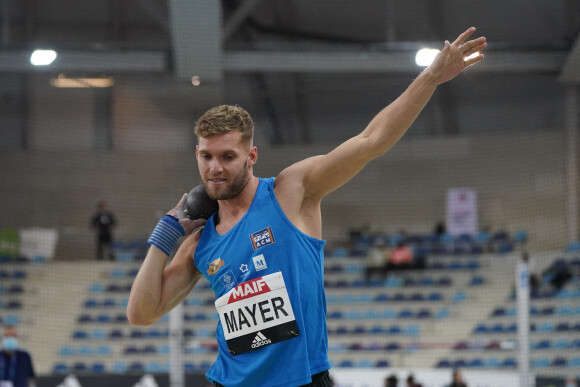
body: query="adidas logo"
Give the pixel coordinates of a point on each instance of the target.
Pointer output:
(260, 340)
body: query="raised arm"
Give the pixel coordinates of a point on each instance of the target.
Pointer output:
(159, 287)
(321, 175)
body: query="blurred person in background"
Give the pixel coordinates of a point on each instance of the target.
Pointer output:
(457, 379)
(411, 381)
(16, 369)
(103, 222)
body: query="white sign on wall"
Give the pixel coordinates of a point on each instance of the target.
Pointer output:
(461, 214)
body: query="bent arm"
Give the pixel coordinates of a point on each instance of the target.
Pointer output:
(321, 175)
(159, 288)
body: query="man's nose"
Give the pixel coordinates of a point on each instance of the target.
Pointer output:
(215, 165)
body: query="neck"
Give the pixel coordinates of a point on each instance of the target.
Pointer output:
(232, 210)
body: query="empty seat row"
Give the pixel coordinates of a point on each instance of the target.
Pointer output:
(392, 346)
(492, 362)
(410, 330)
(85, 350)
(11, 289)
(562, 310)
(11, 319)
(100, 334)
(12, 274)
(120, 367)
(106, 303)
(541, 327)
(510, 362)
(11, 304)
(347, 298)
(560, 343)
(360, 363)
(388, 313)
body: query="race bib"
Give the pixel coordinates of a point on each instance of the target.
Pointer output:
(257, 313)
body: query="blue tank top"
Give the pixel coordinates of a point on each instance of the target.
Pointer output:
(267, 277)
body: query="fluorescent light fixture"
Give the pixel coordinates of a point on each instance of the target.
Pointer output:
(425, 56)
(74, 83)
(42, 57)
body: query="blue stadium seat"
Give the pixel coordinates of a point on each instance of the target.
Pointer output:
(559, 362)
(459, 296)
(66, 350)
(364, 363)
(442, 313)
(411, 330)
(561, 343)
(382, 364)
(543, 344)
(443, 363)
(119, 367)
(562, 327)
(80, 366)
(492, 362)
(59, 368)
(103, 350)
(136, 367)
(98, 368)
(573, 362)
(80, 335)
(540, 362)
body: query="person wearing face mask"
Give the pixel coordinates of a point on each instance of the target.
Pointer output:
(16, 369)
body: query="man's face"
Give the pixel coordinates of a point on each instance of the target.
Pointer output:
(224, 164)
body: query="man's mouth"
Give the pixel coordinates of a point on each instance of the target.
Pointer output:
(216, 180)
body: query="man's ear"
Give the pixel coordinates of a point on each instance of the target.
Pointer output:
(253, 156)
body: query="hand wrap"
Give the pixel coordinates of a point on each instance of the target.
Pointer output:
(166, 234)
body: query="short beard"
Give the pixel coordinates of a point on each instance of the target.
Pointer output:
(235, 188)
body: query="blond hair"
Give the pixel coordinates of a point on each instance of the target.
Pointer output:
(224, 119)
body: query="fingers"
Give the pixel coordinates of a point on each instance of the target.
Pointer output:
(182, 200)
(461, 38)
(473, 60)
(473, 46)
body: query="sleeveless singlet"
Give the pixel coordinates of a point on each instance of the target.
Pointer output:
(267, 277)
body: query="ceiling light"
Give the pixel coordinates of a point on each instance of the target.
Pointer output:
(425, 56)
(63, 82)
(42, 57)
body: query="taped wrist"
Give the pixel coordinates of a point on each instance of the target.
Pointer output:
(166, 234)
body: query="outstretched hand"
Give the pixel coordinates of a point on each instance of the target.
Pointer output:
(188, 225)
(452, 59)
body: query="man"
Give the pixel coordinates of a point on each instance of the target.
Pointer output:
(103, 222)
(16, 369)
(262, 251)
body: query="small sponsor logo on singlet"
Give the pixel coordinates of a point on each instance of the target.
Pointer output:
(260, 340)
(215, 265)
(229, 280)
(262, 238)
(260, 262)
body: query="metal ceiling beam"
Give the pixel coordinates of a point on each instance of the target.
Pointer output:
(380, 62)
(196, 39)
(237, 18)
(571, 69)
(277, 62)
